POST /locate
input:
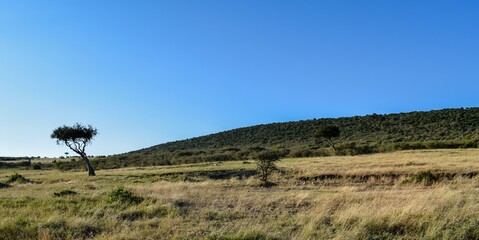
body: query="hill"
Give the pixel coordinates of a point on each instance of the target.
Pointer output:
(447, 124)
(447, 128)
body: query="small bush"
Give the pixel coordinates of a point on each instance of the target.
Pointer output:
(17, 178)
(120, 195)
(182, 206)
(265, 164)
(65, 193)
(37, 166)
(426, 178)
(4, 185)
(299, 153)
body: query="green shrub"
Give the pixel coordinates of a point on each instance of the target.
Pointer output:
(37, 166)
(64, 193)
(265, 164)
(120, 195)
(17, 178)
(182, 207)
(426, 178)
(298, 153)
(14, 164)
(4, 185)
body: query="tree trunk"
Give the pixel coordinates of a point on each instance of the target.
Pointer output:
(89, 167)
(332, 144)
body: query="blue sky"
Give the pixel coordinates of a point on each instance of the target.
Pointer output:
(148, 72)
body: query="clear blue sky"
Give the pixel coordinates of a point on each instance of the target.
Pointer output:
(148, 72)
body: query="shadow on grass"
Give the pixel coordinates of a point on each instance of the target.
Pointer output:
(197, 176)
(424, 177)
(211, 175)
(268, 184)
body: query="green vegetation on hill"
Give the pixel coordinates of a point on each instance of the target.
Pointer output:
(440, 125)
(447, 128)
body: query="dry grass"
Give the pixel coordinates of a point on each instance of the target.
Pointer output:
(362, 197)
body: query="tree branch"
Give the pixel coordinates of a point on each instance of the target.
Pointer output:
(85, 141)
(71, 147)
(331, 143)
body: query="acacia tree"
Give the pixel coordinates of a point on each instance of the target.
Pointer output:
(76, 138)
(265, 164)
(328, 132)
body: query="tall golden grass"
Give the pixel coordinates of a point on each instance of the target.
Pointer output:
(361, 197)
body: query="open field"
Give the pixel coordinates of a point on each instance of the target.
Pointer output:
(429, 194)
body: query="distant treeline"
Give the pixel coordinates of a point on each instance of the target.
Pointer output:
(231, 154)
(448, 128)
(16, 158)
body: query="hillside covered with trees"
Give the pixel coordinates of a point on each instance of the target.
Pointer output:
(447, 128)
(440, 125)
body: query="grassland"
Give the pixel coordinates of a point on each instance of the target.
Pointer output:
(428, 194)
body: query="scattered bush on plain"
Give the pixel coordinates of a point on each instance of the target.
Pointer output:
(123, 196)
(17, 178)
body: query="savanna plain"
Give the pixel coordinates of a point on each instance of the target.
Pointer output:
(422, 194)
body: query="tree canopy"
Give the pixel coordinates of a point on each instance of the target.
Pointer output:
(328, 132)
(76, 138)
